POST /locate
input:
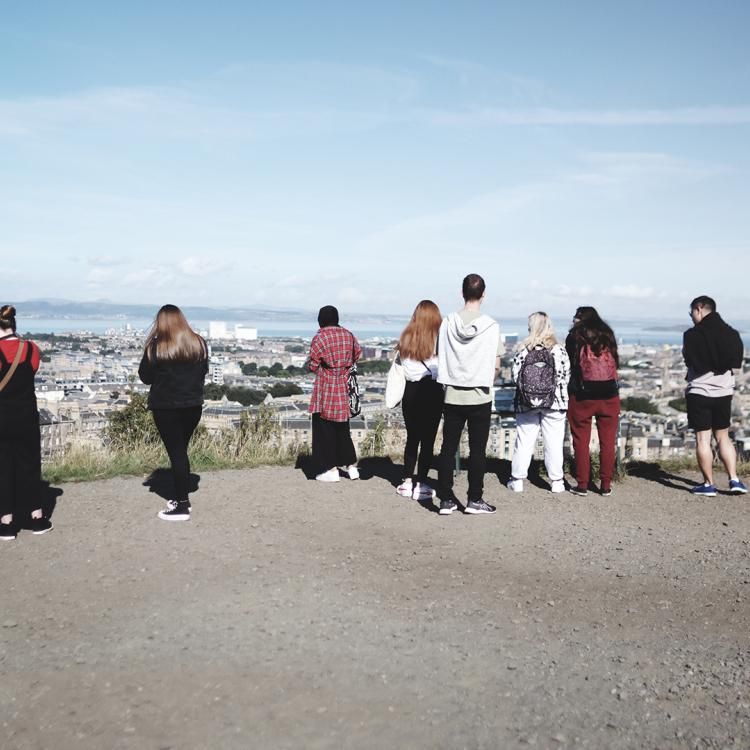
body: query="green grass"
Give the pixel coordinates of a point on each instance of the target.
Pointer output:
(225, 451)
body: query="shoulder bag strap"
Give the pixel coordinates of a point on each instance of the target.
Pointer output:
(13, 366)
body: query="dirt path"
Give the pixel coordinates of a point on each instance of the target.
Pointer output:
(290, 614)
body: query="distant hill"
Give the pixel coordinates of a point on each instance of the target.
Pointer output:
(103, 309)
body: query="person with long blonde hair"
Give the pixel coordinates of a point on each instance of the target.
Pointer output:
(422, 403)
(541, 371)
(174, 364)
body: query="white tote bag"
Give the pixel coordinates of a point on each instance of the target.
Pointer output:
(395, 384)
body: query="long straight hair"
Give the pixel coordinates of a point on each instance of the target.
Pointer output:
(541, 332)
(418, 339)
(589, 329)
(171, 338)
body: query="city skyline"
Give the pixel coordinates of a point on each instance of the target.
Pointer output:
(369, 158)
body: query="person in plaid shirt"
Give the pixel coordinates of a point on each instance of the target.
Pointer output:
(333, 351)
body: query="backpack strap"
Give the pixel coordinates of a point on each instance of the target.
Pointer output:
(14, 365)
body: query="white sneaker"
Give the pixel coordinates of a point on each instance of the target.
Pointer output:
(557, 486)
(332, 475)
(515, 485)
(423, 492)
(405, 489)
(351, 471)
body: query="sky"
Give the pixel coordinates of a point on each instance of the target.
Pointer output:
(295, 154)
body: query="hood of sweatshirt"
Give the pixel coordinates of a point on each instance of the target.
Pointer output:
(465, 333)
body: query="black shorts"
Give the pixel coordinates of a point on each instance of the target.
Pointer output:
(706, 413)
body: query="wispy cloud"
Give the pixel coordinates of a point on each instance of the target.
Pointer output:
(592, 117)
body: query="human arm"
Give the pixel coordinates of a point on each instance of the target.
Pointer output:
(146, 370)
(517, 363)
(316, 354)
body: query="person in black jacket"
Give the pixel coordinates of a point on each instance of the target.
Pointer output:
(174, 364)
(20, 452)
(711, 349)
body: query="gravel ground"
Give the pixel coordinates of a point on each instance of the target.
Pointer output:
(291, 614)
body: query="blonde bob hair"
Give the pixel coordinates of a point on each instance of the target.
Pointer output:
(541, 332)
(171, 338)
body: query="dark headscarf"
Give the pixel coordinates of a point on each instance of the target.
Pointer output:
(328, 316)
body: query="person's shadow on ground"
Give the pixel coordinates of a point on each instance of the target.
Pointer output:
(48, 496)
(161, 483)
(655, 473)
(384, 468)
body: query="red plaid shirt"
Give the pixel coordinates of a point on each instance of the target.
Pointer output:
(332, 352)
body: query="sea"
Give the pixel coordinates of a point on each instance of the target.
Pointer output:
(644, 332)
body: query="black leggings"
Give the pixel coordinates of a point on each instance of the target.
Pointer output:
(20, 460)
(176, 427)
(422, 407)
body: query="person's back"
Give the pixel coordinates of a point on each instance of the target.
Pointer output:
(468, 358)
(712, 349)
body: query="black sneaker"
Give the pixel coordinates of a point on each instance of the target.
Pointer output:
(479, 506)
(175, 512)
(606, 491)
(40, 525)
(7, 532)
(578, 491)
(447, 507)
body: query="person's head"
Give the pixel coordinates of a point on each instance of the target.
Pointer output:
(589, 328)
(172, 338)
(7, 318)
(700, 307)
(541, 332)
(418, 339)
(328, 316)
(473, 288)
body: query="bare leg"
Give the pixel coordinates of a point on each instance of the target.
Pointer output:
(36, 513)
(727, 453)
(705, 455)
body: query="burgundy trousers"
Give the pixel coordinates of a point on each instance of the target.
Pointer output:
(580, 414)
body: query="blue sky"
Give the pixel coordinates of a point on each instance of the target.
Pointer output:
(299, 154)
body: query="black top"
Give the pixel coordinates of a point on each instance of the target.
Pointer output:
(712, 346)
(586, 390)
(20, 388)
(174, 385)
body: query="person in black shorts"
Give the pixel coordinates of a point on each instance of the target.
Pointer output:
(712, 349)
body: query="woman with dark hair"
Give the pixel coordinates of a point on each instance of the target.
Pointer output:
(422, 402)
(594, 392)
(20, 444)
(174, 364)
(333, 351)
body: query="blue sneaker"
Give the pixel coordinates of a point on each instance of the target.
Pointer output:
(737, 487)
(706, 490)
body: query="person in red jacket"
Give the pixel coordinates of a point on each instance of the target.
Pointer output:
(333, 351)
(20, 444)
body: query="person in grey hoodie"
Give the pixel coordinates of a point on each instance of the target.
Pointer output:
(469, 351)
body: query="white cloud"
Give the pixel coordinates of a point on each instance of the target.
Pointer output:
(591, 117)
(200, 266)
(631, 291)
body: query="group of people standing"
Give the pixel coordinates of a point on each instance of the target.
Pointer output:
(449, 366)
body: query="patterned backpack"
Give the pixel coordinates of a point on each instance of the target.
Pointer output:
(537, 380)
